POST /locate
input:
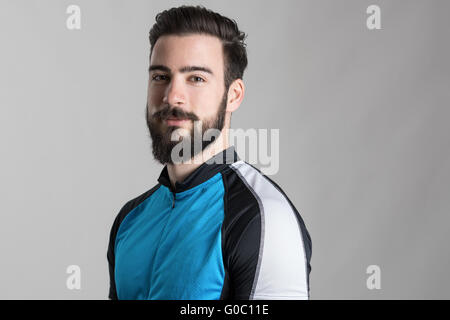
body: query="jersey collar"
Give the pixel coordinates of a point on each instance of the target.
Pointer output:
(204, 172)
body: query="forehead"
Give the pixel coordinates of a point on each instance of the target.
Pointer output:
(176, 51)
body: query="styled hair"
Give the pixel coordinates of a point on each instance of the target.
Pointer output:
(185, 20)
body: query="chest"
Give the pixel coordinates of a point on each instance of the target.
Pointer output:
(167, 250)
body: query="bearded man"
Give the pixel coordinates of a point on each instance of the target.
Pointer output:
(213, 227)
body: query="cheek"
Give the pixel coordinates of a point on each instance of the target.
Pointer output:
(205, 104)
(153, 103)
(155, 95)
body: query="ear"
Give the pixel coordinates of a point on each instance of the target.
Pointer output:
(235, 95)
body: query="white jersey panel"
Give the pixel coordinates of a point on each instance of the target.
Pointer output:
(281, 270)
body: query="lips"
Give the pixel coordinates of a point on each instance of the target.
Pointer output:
(175, 121)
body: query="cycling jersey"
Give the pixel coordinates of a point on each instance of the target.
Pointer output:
(226, 232)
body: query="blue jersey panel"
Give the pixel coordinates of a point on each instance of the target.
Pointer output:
(171, 252)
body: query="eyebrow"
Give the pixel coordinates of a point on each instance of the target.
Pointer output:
(182, 70)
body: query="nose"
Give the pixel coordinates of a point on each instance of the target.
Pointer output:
(175, 94)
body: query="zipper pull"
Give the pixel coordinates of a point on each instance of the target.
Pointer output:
(173, 200)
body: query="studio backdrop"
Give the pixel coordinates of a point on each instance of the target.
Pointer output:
(357, 91)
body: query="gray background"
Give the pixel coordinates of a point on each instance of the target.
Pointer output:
(363, 118)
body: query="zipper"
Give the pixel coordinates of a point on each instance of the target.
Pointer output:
(173, 199)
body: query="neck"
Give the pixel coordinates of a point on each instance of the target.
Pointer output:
(178, 172)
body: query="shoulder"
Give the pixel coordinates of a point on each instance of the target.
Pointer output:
(276, 210)
(266, 241)
(247, 187)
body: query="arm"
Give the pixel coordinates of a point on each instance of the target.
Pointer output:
(269, 260)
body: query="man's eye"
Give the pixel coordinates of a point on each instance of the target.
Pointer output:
(158, 77)
(198, 79)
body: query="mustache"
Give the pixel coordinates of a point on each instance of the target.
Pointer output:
(174, 112)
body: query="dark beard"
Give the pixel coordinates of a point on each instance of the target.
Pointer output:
(162, 145)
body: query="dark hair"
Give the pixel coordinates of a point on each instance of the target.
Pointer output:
(186, 20)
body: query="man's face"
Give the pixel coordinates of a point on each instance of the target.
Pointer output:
(186, 84)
